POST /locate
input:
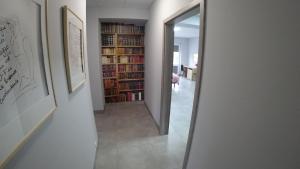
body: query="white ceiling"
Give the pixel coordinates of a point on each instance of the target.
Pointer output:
(194, 20)
(188, 28)
(141, 4)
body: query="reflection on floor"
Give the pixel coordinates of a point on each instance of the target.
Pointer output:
(181, 107)
(129, 139)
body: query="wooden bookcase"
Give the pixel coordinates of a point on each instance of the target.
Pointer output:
(122, 55)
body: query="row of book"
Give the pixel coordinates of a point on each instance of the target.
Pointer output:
(108, 51)
(130, 68)
(130, 41)
(130, 50)
(131, 59)
(110, 92)
(108, 68)
(108, 59)
(134, 75)
(111, 99)
(109, 74)
(108, 40)
(131, 85)
(131, 96)
(109, 83)
(121, 28)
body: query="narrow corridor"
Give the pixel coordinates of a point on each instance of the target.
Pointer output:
(129, 139)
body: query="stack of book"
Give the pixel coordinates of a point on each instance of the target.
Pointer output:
(131, 96)
(107, 40)
(110, 92)
(122, 28)
(130, 68)
(131, 85)
(108, 51)
(134, 75)
(131, 59)
(108, 83)
(130, 41)
(130, 50)
(108, 59)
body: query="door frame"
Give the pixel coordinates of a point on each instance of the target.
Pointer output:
(168, 45)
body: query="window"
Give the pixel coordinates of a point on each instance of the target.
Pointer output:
(195, 58)
(176, 56)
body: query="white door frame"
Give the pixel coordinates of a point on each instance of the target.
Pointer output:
(168, 42)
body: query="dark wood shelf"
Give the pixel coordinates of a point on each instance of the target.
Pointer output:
(108, 46)
(131, 79)
(130, 63)
(129, 90)
(130, 54)
(109, 77)
(132, 72)
(130, 46)
(111, 95)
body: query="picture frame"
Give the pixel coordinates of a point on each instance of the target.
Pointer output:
(27, 97)
(74, 49)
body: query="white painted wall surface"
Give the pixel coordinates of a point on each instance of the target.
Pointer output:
(249, 114)
(160, 10)
(93, 41)
(67, 140)
(184, 49)
(249, 110)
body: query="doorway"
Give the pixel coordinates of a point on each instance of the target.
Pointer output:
(184, 73)
(180, 95)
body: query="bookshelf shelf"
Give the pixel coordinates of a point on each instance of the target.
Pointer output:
(130, 46)
(122, 54)
(109, 77)
(130, 79)
(132, 72)
(129, 90)
(108, 46)
(141, 54)
(105, 54)
(108, 63)
(111, 95)
(130, 63)
(132, 34)
(107, 33)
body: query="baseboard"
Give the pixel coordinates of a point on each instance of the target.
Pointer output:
(157, 125)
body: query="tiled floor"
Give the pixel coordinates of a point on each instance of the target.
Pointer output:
(129, 139)
(181, 107)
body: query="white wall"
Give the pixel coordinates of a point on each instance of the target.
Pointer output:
(67, 140)
(159, 11)
(250, 98)
(184, 49)
(193, 48)
(95, 67)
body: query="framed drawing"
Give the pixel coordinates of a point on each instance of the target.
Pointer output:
(73, 44)
(26, 93)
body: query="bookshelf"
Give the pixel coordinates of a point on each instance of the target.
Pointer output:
(122, 56)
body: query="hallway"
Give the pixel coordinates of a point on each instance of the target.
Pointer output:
(128, 138)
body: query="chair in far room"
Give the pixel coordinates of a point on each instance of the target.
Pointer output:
(175, 79)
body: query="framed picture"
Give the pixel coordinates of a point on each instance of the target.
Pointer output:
(73, 44)
(26, 93)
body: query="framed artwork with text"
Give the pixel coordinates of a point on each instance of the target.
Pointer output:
(73, 46)
(26, 92)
